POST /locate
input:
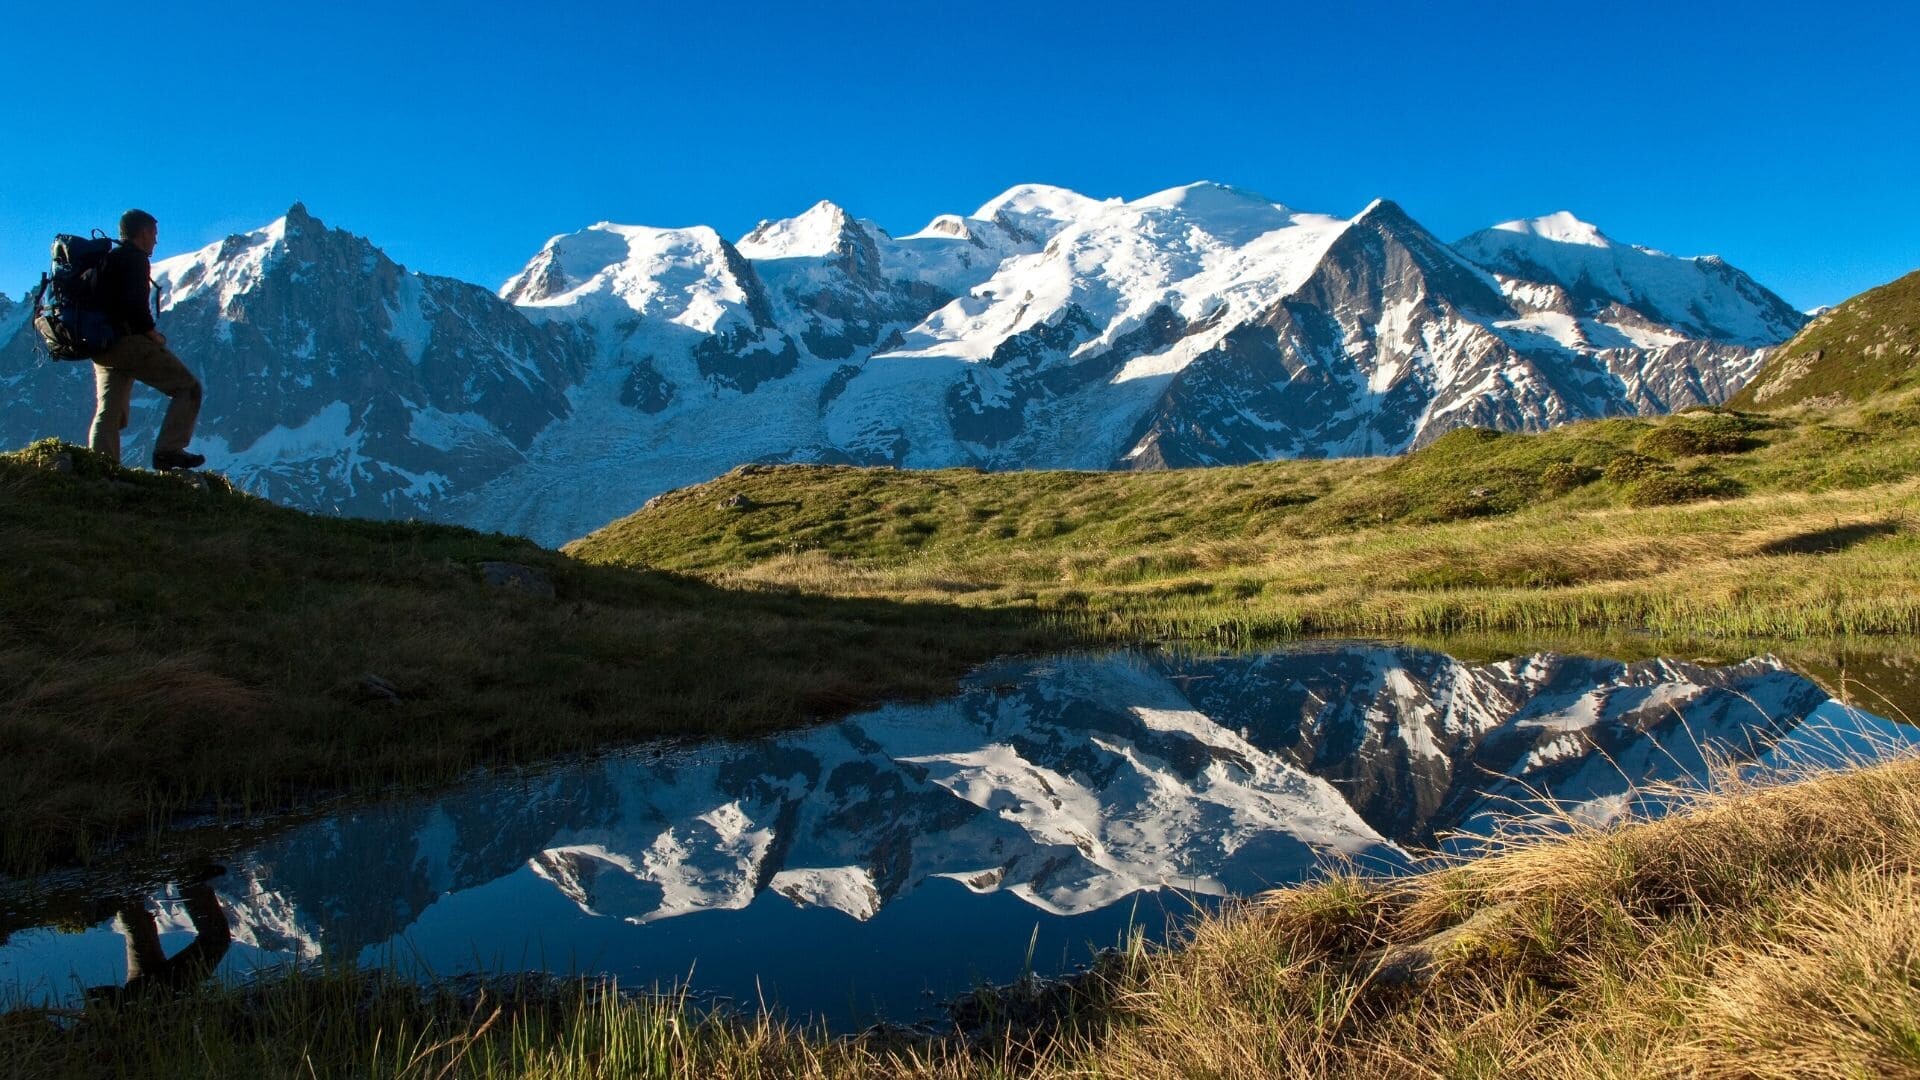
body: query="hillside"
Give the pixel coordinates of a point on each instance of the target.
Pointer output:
(167, 648)
(1868, 345)
(1702, 523)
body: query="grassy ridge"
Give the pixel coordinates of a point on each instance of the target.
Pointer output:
(1771, 933)
(164, 649)
(1703, 524)
(1866, 346)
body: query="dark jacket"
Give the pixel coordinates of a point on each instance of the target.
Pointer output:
(120, 288)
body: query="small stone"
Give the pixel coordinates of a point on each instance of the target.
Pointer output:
(526, 579)
(736, 501)
(374, 688)
(1481, 493)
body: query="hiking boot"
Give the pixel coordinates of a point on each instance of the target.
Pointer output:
(165, 460)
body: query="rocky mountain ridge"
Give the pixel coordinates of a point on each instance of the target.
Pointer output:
(1199, 325)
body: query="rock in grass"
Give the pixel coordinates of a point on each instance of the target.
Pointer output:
(376, 689)
(526, 579)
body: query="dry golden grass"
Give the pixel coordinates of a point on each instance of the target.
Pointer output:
(1766, 932)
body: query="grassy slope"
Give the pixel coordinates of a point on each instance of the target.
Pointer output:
(1707, 523)
(1773, 933)
(164, 648)
(1868, 345)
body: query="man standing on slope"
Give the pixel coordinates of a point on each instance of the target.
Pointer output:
(139, 352)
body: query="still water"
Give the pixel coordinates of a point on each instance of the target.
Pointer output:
(875, 866)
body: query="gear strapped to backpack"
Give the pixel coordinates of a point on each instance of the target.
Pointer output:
(66, 309)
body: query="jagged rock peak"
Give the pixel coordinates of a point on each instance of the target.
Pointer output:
(824, 229)
(1382, 210)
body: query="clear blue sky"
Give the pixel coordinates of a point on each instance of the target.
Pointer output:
(1785, 137)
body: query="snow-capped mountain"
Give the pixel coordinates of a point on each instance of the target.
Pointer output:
(337, 379)
(1561, 265)
(1199, 325)
(1070, 783)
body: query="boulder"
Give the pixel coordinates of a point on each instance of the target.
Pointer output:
(526, 579)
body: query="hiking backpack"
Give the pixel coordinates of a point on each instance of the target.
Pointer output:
(66, 309)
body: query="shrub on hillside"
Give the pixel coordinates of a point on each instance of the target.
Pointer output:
(1668, 487)
(1478, 502)
(1710, 433)
(1561, 477)
(1627, 467)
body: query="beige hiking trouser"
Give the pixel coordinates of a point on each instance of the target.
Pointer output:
(138, 358)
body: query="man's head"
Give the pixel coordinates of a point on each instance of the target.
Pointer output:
(140, 229)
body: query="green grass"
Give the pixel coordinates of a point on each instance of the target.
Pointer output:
(1709, 523)
(1867, 346)
(165, 649)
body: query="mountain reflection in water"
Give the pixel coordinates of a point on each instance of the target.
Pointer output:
(857, 866)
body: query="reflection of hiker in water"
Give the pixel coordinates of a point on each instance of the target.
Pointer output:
(149, 968)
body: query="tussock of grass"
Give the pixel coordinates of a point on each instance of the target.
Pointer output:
(1704, 524)
(167, 649)
(1771, 932)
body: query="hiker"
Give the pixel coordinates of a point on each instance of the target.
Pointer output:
(139, 352)
(149, 968)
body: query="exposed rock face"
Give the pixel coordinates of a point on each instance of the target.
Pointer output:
(517, 578)
(1200, 325)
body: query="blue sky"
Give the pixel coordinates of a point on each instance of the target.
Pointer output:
(1785, 138)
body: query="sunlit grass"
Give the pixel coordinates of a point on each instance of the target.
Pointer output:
(1797, 525)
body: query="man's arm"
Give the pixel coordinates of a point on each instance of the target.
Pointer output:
(124, 293)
